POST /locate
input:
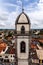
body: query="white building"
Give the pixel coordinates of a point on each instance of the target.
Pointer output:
(7, 58)
(22, 26)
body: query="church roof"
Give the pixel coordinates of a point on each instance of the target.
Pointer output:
(22, 16)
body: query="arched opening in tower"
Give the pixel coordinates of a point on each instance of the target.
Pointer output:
(22, 47)
(22, 30)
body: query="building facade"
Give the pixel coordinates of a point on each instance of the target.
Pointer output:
(22, 26)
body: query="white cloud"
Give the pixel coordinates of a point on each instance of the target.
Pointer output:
(2, 24)
(9, 4)
(19, 2)
(7, 19)
(36, 16)
(41, 1)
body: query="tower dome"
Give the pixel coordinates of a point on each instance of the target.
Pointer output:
(22, 18)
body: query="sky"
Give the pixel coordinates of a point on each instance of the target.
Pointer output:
(10, 9)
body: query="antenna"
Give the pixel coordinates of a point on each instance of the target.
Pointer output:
(22, 7)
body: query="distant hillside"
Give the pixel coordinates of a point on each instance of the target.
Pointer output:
(32, 31)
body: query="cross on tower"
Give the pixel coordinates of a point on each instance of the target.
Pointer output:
(22, 7)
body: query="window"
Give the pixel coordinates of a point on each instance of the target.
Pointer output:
(22, 29)
(11, 55)
(22, 47)
(6, 56)
(6, 60)
(3, 49)
(1, 59)
(0, 56)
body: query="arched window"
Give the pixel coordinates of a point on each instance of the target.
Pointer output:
(22, 47)
(22, 29)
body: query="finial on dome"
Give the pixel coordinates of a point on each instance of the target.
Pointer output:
(22, 10)
(22, 7)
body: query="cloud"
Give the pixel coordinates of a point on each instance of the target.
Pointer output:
(36, 15)
(9, 4)
(3, 17)
(7, 18)
(41, 1)
(19, 2)
(2, 24)
(8, 15)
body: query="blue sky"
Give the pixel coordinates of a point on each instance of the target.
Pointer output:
(10, 9)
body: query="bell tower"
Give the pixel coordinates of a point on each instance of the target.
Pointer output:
(22, 39)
